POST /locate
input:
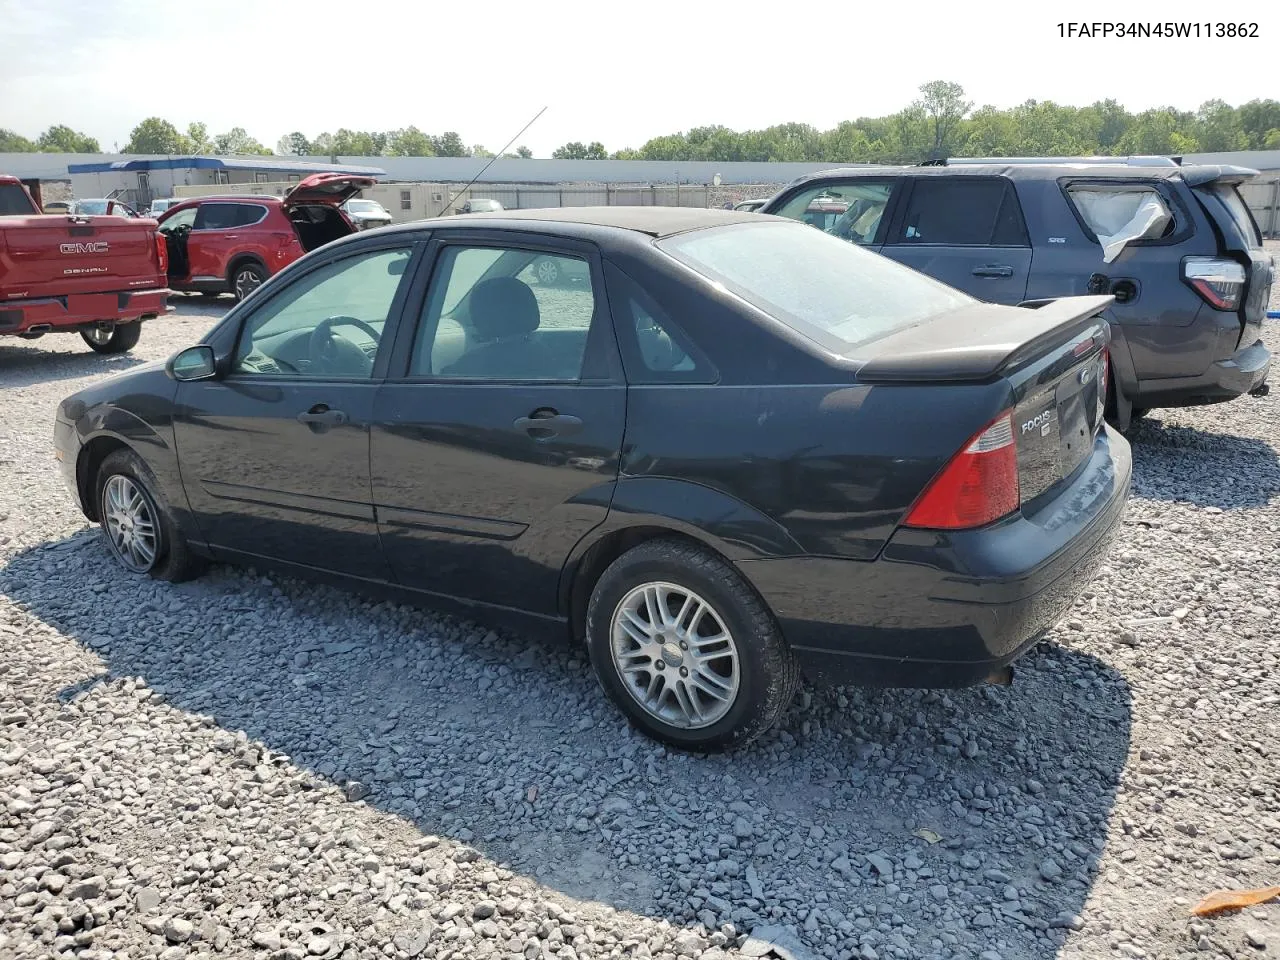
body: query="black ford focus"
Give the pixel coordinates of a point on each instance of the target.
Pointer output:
(723, 449)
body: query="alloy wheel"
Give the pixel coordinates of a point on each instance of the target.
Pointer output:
(547, 271)
(247, 281)
(130, 522)
(99, 334)
(675, 655)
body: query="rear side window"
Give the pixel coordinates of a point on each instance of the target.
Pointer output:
(1238, 211)
(225, 216)
(964, 212)
(654, 348)
(1120, 214)
(14, 201)
(820, 286)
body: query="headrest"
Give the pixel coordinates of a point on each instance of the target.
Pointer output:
(503, 307)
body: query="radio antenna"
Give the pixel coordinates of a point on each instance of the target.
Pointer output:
(494, 157)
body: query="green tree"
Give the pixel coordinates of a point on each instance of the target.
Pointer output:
(62, 139)
(409, 142)
(356, 143)
(524, 153)
(237, 141)
(479, 150)
(944, 106)
(1272, 140)
(1258, 118)
(577, 150)
(1159, 131)
(449, 144)
(1112, 121)
(11, 142)
(1217, 127)
(322, 146)
(198, 134)
(155, 135)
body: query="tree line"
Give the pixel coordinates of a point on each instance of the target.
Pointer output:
(939, 122)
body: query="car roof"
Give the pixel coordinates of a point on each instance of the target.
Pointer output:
(233, 198)
(1024, 171)
(654, 221)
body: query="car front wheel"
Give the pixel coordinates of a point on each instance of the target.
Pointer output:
(139, 528)
(109, 338)
(686, 649)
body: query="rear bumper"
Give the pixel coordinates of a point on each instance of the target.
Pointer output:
(75, 310)
(946, 609)
(1226, 379)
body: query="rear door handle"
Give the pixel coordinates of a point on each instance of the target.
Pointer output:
(547, 423)
(993, 270)
(320, 415)
(233, 236)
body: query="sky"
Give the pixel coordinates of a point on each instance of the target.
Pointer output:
(617, 72)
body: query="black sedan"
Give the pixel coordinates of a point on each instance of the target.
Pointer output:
(738, 451)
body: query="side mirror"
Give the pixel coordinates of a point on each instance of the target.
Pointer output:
(193, 363)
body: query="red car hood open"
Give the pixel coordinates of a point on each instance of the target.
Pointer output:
(332, 189)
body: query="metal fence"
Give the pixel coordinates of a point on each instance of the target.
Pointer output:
(532, 196)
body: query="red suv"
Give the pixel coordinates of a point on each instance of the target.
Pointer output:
(232, 244)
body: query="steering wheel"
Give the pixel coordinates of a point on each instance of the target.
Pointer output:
(331, 352)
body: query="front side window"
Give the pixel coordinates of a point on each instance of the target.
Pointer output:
(851, 210)
(496, 313)
(328, 323)
(183, 218)
(963, 212)
(822, 287)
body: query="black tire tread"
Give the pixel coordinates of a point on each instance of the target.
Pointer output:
(123, 338)
(779, 663)
(178, 562)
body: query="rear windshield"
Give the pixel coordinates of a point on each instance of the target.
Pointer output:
(92, 208)
(1239, 213)
(813, 282)
(14, 201)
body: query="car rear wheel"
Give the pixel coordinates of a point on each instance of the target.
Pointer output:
(686, 649)
(109, 338)
(246, 278)
(138, 526)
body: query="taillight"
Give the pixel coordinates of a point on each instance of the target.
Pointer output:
(162, 253)
(1219, 282)
(977, 486)
(1104, 384)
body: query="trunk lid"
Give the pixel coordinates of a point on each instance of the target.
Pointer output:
(331, 189)
(47, 256)
(1050, 352)
(1239, 238)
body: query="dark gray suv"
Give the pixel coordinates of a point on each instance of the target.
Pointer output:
(1175, 245)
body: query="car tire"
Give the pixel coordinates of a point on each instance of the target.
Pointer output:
(122, 337)
(246, 278)
(745, 659)
(547, 271)
(138, 525)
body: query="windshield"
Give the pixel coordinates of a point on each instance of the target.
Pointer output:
(93, 208)
(813, 282)
(364, 206)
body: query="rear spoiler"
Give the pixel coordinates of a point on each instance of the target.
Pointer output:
(1198, 176)
(976, 342)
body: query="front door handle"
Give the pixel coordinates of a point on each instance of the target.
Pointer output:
(322, 416)
(993, 270)
(546, 423)
(232, 236)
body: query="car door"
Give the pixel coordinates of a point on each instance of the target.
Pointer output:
(275, 453)
(966, 231)
(215, 236)
(496, 448)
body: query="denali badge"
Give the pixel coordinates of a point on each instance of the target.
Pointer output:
(77, 271)
(1043, 421)
(97, 246)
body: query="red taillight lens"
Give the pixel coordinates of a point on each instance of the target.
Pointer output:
(162, 253)
(1219, 282)
(978, 485)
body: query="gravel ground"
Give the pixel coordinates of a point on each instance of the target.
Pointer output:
(252, 766)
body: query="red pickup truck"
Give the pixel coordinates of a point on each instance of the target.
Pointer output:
(98, 276)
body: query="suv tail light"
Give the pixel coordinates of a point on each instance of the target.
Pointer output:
(1220, 283)
(162, 253)
(978, 485)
